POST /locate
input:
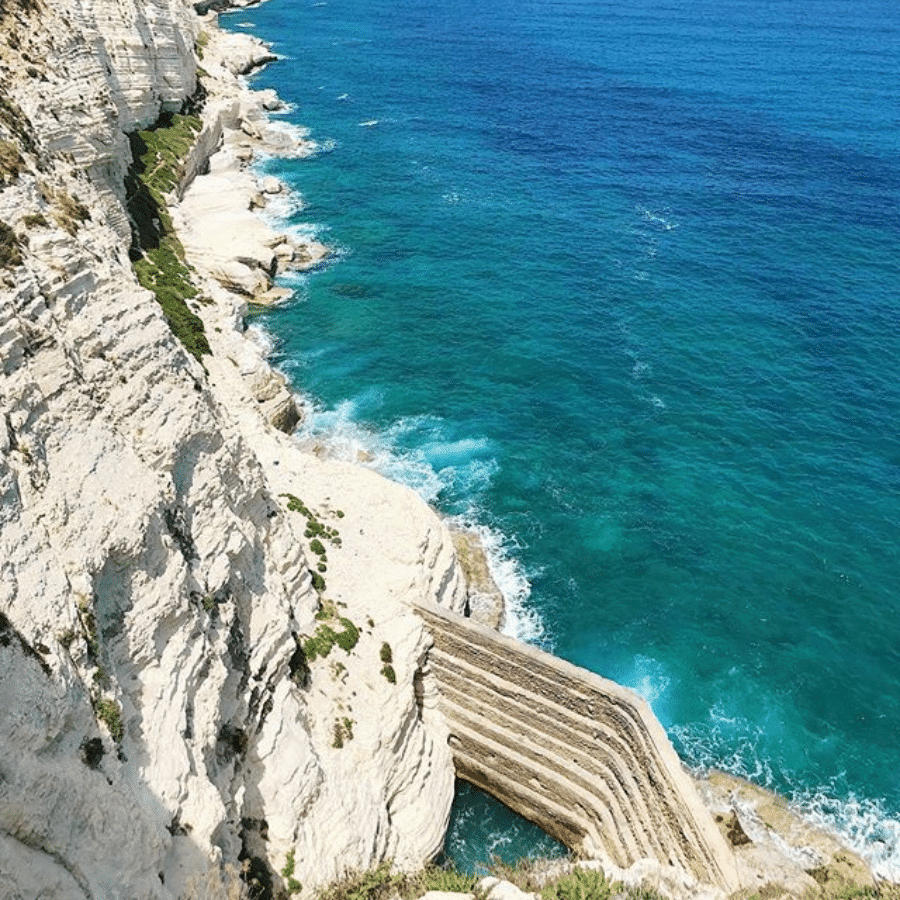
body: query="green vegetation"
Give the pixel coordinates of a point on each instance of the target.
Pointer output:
(89, 628)
(379, 883)
(314, 528)
(315, 531)
(298, 664)
(71, 213)
(387, 655)
(389, 674)
(162, 270)
(108, 712)
(158, 255)
(16, 122)
(10, 247)
(437, 878)
(35, 220)
(201, 44)
(580, 884)
(577, 883)
(161, 150)
(66, 637)
(291, 884)
(319, 645)
(343, 732)
(11, 163)
(382, 883)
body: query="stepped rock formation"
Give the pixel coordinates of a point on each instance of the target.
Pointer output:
(582, 756)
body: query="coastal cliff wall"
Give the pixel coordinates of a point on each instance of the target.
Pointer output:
(182, 684)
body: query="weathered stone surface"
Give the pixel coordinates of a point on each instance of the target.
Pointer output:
(581, 756)
(271, 185)
(485, 601)
(774, 845)
(497, 889)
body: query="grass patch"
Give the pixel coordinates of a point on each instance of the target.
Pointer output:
(11, 163)
(321, 643)
(580, 884)
(437, 878)
(291, 885)
(163, 271)
(379, 883)
(109, 713)
(10, 248)
(71, 213)
(382, 883)
(343, 732)
(17, 123)
(159, 152)
(201, 44)
(158, 255)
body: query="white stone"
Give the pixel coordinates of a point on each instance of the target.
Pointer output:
(446, 895)
(497, 889)
(271, 185)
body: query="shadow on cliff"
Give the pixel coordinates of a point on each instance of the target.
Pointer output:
(61, 768)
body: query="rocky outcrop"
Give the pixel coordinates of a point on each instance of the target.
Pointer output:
(775, 846)
(182, 682)
(581, 756)
(485, 603)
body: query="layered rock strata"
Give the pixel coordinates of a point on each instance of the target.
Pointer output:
(581, 756)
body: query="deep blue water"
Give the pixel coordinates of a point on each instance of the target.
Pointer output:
(620, 283)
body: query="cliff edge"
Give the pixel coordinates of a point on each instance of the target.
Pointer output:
(209, 657)
(193, 613)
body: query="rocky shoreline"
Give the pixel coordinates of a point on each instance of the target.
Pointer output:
(208, 656)
(238, 254)
(782, 848)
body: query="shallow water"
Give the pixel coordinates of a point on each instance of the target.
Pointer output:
(619, 285)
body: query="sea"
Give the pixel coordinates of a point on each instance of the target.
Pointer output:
(618, 285)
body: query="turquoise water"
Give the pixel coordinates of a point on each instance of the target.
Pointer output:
(620, 285)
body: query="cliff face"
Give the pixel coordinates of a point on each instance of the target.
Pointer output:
(159, 712)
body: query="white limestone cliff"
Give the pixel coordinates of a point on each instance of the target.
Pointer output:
(156, 714)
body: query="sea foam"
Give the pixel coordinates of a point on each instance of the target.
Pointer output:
(417, 452)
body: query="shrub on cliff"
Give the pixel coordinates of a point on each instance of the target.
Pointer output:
(11, 162)
(158, 166)
(382, 882)
(109, 713)
(579, 884)
(10, 254)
